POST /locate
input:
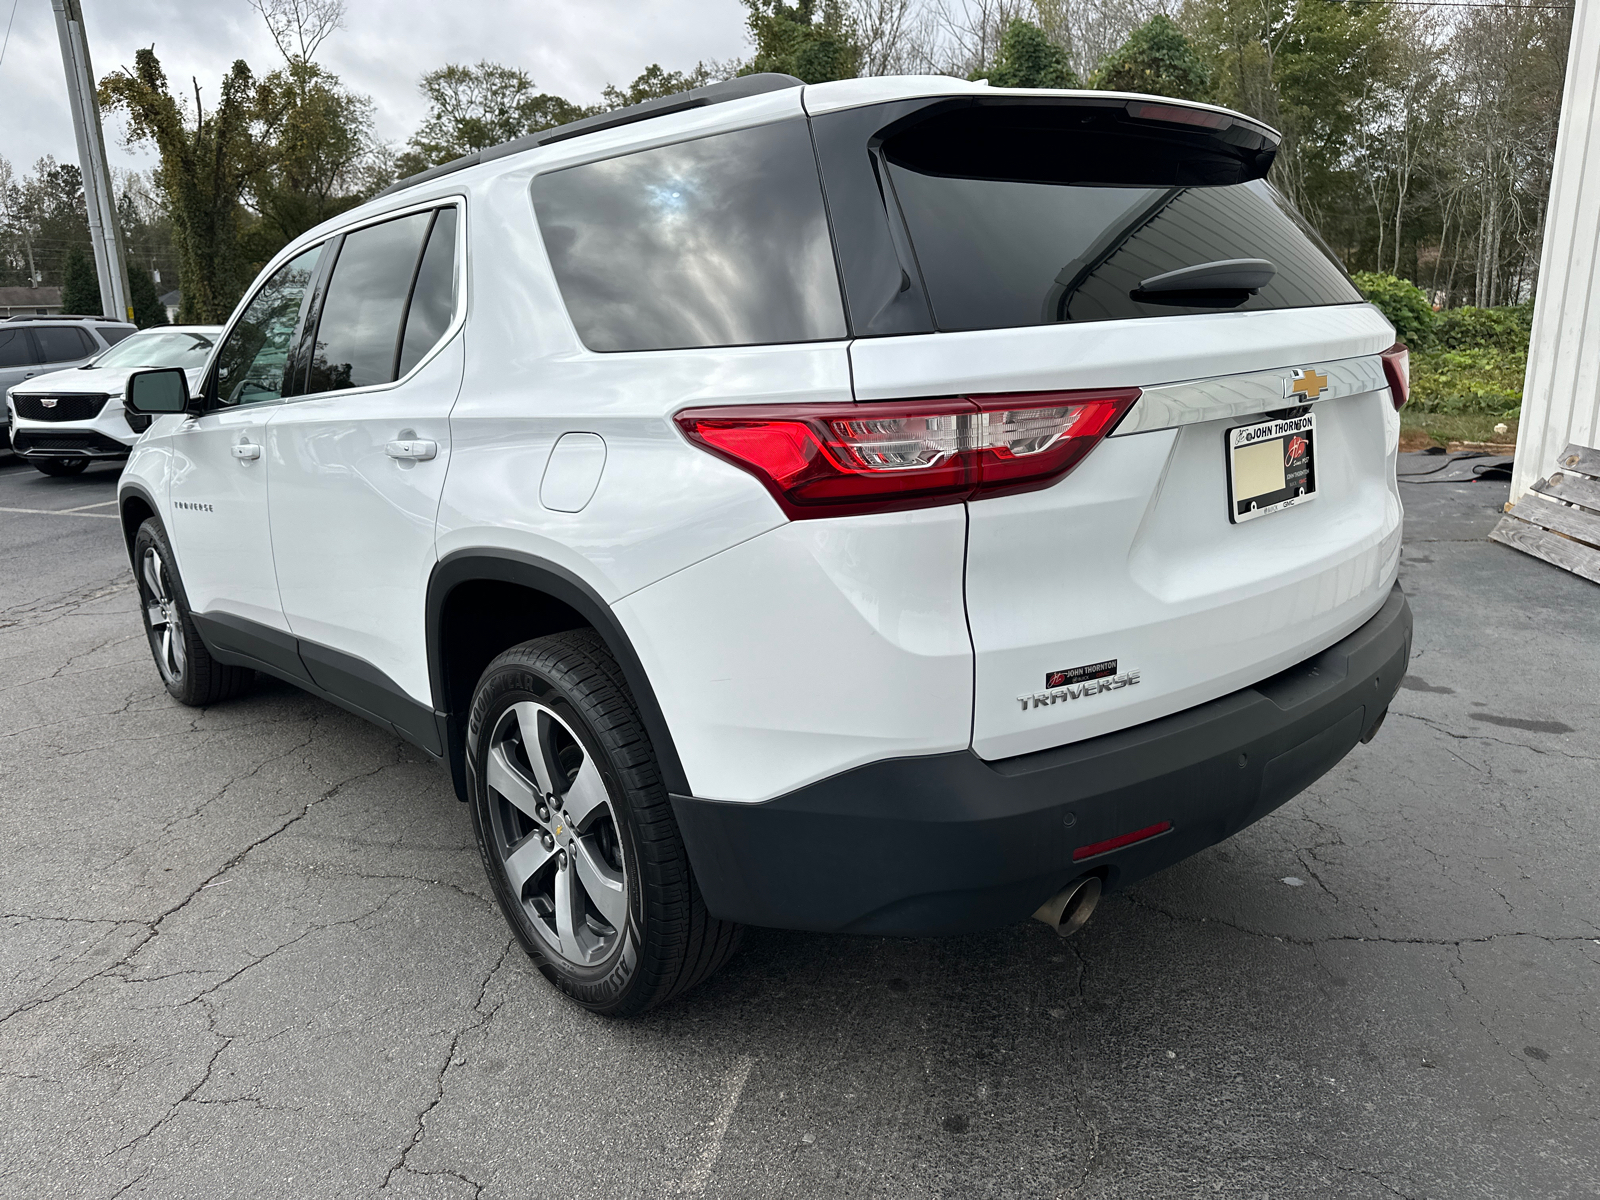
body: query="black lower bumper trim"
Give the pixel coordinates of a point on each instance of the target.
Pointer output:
(950, 843)
(86, 444)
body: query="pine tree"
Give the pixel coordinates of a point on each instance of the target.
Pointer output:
(147, 307)
(80, 284)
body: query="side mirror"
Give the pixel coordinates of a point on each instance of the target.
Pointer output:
(161, 390)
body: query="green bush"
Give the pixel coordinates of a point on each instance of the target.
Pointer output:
(1404, 303)
(1506, 329)
(1484, 380)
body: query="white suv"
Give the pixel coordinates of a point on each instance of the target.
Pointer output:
(890, 506)
(62, 421)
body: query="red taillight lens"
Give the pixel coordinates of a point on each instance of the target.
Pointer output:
(827, 460)
(1397, 369)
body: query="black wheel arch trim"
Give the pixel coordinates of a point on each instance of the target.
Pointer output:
(143, 493)
(541, 575)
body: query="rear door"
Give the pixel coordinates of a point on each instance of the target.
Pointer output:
(1052, 247)
(358, 462)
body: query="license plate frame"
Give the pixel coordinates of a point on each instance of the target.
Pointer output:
(1274, 483)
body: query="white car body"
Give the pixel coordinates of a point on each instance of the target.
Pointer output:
(109, 423)
(775, 655)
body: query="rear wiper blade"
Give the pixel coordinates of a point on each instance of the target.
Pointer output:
(1224, 275)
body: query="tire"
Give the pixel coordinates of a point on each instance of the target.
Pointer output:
(578, 836)
(191, 675)
(59, 466)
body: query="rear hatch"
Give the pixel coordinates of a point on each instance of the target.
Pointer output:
(1024, 247)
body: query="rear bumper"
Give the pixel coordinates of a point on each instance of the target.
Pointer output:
(949, 843)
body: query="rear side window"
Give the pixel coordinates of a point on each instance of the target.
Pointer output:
(721, 241)
(63, 343)
(433, 299)
(358, 333)
(115, 333)
(1028, 216)
(16, 349)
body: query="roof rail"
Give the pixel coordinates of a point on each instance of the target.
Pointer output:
(700, 97)
(67, 317)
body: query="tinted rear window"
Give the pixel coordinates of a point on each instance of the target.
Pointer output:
(1066, 224)
(358, 333)
(721, 241)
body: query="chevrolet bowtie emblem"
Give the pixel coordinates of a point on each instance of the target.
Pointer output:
(1307, 382)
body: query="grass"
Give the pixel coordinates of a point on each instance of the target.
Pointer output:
(1420, 429)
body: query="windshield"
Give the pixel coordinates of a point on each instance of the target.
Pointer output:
(158, 349)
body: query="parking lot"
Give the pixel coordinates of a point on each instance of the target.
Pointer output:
(250, 951)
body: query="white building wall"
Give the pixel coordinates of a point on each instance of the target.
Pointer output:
(1561, 394)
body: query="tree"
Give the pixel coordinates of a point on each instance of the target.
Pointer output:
(204, 172)
(80, 284)
(1156, 59)
(653, 83)
(1028, 59)
(316, 155)
(802, 41)
(470, 108)
(300, 26)
(147, 307)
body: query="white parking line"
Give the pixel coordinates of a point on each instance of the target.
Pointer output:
(61, 512)
(699, 1174)
(87, 507)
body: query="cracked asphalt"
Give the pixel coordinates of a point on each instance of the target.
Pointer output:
(249, 952)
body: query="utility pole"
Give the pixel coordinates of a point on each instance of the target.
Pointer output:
(104, 229)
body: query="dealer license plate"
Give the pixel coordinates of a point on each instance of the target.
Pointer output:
(1271, 466)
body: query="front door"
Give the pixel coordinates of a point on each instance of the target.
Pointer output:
(219, 524)
(358, 465)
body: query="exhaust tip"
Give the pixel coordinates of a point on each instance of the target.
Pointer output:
(1069, 909)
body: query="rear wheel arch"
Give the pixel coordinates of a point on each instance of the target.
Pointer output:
(483, 602)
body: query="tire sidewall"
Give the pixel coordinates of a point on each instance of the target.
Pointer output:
(608, 986)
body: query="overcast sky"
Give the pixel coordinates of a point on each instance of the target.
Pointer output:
(571, 47)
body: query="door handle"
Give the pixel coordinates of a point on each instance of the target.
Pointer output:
(247, 451)
(412, 449)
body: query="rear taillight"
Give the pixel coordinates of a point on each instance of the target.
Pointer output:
(829, 460)
(1397, 369)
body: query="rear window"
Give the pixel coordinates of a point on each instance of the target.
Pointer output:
(1032, 216)
(720, 241)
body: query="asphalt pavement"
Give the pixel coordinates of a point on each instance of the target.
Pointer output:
(249, 951)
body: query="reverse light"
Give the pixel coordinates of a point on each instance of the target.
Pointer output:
(1397, 369)
(828, 460)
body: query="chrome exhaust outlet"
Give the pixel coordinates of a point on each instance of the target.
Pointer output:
(1069, 909)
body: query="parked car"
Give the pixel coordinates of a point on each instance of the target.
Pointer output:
(63, 421)
(31, 344)
(893, 506)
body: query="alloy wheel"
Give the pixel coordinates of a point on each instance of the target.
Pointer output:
(555, 834)
(161, 617)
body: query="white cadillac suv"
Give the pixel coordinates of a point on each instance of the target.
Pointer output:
(888, 506)
(63, 421)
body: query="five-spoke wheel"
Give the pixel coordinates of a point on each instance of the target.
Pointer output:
(556, 834)
(161, 616)
(577, 832)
